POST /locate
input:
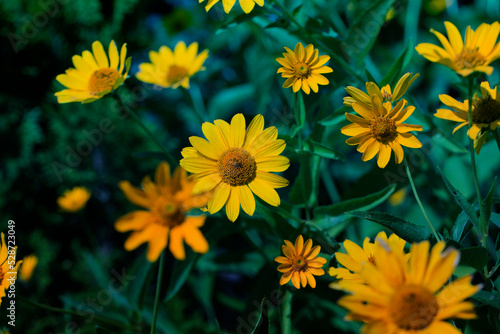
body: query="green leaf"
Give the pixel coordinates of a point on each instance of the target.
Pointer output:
(461, 227)
(363, 33)
(361, 203)
(180, 273)
(299, 109)
(261, 327)
(475, 257)
(240, 18)
(304, 189)
(280, 224)
(466, 206)
(369, 77)
(310, 146)
(401, 62)
(230, 99)
(489, 298)
(405, 230)
(488, 203)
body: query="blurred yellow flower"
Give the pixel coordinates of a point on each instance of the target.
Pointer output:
(29, 264)
(398, 197)
(237, 164)
(303, 68)
(380, 130)
(246, 5)
(473, 55)
(8, 266)
(173, 69)
(94, 74)
(300, 263)
(485, 113)
(410, 297)
(74, 199)
(356, 257)
(385, 94)
(167, 200)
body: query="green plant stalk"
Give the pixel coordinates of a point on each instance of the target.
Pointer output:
(158, 291)
(286, 313)
(417, 198)
(171, 160)
(340, 62)
(497, 137)
(70, 312)
(196, 102)
(470, 83)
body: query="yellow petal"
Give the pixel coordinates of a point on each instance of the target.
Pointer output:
(247, 199)
(219, 197)
(265, 191)
(233, 204)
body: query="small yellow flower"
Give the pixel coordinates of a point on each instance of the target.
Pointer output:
(94, 74)
(398, 197)
(380, 130)
(485, 113)
(167, 200)
(384, 93)
(173, 69)
(303, 68)
(74, 200)
(356, 257)
(8, 266)
(300, 263)
(474, 55)
(410, 297)
(236, 164)
(29, 264)
(246, 5)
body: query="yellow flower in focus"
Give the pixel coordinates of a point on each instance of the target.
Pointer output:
(385, 94)
(410, 298)
(173, 69)
(74, 200)
(398, 197)
(8, 266)
(300, 263)
(236, 164)
(29, 264)
(94, 75)
(380, 130)
(473, 55)
(167, 200)
(485, 113)
(246, 5)
(303, 68)
(356, 257)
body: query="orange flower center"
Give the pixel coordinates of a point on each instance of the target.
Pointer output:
(302, 70)
(168, 213)
(236, 167)
(102, 80)
(384, 129)
(371, 258)
(469, 58)
(176, 74)
(413, 307)
(299, 263)
(486, 111)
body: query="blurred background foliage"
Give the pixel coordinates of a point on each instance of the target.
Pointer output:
(222, 290)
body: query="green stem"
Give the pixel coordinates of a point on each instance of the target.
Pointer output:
(497, 137)
(158, 291)
(286, 313)
(171, 160)
(77, 314)
(470, 82)
(333, 55)
(283, 212)
(193, 94)
(412, 184)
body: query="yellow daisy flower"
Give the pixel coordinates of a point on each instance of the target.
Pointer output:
(356, 257)
(29, 264)
(74, 200)
(94, 74)
(8, 266)
(173, 69)
(237, 164)
(167, 201)
(474, 55)
(398, 197)
(485, 113)
(380, 130)
(246, 5)
(303, 68)
(300, 263)
(409, 298)
(384, 93)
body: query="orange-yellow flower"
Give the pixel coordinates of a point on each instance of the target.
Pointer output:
(246, 5)
(465, 57)
(300, 263)
(8, 266)
(29, 264)
(168, 201)
(74, 200)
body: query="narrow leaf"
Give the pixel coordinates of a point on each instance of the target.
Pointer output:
(403, 59)
(180, 273)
